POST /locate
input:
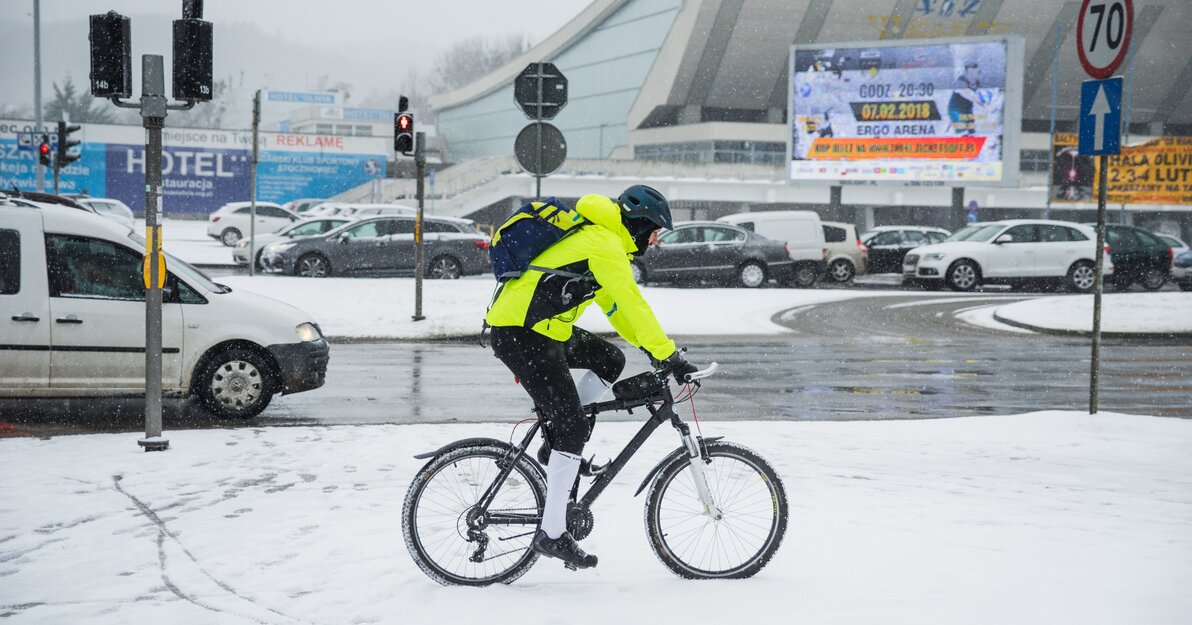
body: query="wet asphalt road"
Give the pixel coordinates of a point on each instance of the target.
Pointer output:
(893, 357)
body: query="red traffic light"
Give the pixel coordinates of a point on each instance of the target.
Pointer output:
(403, 122)
(45, 148)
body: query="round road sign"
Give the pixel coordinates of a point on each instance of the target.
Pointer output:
(1103, 35)
(540, 161)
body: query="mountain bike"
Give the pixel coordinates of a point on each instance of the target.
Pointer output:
(714, 509)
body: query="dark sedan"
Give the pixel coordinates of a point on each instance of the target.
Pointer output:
(1138, 256)
(696, 251)
(453, 248)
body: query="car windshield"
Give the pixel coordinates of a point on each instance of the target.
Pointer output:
(976, 232)
(185, 270)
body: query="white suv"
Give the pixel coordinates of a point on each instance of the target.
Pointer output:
(72, 321)
(232, 221)
(1015, 251)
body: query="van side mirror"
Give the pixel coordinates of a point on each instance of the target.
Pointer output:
(343, 237)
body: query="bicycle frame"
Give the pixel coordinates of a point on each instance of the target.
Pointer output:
(658, 415)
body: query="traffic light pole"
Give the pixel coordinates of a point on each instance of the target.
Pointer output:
(153, 107)
(419, 251)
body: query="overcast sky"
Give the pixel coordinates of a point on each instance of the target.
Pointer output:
(280, 44)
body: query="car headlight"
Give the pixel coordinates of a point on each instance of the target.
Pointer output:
(308, 332)
(935, 256)
(278, 248)
(242, 243)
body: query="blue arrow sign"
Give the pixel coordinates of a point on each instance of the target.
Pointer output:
(1100, 117)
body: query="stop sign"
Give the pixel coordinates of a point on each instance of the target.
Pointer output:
(540, 90)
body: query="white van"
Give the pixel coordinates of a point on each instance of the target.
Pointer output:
(72, 321)
(801, 230)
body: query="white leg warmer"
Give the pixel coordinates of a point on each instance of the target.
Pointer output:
(560, 477)
(590, 387)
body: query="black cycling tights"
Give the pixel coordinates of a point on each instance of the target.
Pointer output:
(541, 364)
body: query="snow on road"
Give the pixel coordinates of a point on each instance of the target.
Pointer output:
(1040, 518)
(1149, 313)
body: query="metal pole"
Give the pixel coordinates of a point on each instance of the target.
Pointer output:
(1126, 112)
(538, 133)
(420, 172)
(252, 187)
(1055, 59)
(40, 184)
(1094, 371)
(153, 113)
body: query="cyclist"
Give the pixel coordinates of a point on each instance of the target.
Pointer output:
(533, 333)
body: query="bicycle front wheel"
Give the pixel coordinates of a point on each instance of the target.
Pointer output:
(752, 501)
(451, 539)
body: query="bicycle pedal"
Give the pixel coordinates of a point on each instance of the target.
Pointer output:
(570, 567)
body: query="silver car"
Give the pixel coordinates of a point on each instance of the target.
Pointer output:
(453, 248)
(112, 209)
(305, 228)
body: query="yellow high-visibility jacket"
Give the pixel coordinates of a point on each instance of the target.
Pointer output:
(550, 303)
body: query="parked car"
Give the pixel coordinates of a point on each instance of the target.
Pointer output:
(1177, 245)
(304, 228)
(302, 205)
(713, 250)
(453, 248)
(340, 209)
(888, 245)
(231, 222)
(1181, 271)
(1014, 252)
(803, 233)
(847, 256)
(72, 313)
(107, 207)
(1138, 256)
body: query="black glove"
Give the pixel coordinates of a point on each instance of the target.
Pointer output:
(679, 367)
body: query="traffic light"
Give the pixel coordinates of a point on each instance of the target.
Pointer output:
(43, 151)
(192, 60)
(403, 132)
(65, 143)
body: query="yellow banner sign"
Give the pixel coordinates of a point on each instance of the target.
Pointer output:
(1155, 172)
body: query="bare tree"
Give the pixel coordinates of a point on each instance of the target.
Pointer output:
(472, 58)
(68, 101)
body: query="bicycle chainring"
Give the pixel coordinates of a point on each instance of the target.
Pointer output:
(579, 521)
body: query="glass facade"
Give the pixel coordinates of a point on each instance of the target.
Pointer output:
(605, 70)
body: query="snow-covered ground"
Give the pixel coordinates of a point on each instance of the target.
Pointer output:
(1041, 518)
(1120, 312)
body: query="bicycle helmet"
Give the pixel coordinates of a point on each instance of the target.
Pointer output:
(640, 202)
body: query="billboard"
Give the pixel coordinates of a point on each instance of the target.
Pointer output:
(202, 169)
(939, 112)
(1158, 171)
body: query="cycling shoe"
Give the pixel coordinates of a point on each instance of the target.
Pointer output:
(564, 548)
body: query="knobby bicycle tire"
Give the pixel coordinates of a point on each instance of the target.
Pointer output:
(746, 504)
(432, 550)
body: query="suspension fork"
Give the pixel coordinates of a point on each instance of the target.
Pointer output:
(697, 461)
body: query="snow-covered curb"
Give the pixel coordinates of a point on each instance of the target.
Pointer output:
(1121, 314)
(1040, 518)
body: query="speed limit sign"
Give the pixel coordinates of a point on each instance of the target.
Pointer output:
(1103, 35)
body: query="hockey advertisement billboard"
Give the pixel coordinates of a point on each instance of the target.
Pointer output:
(943, 112)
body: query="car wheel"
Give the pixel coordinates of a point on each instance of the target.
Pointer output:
(751, 275)
(805, 276)
(259, 267)
(313, 266)
(235, 384)
(230, 237)
(841, 270)
(444, 268)
(1082, 277)
(963, 275)
(1153, 279)
(639, 272)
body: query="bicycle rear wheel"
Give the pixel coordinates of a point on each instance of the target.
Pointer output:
(451, 540)
(751, 498)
